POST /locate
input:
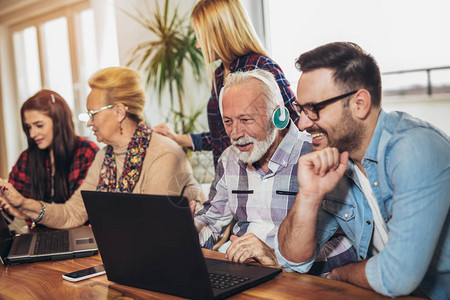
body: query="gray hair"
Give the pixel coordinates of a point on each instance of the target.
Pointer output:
(270, 89)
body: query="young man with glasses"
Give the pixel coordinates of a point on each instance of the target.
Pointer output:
(382, 177)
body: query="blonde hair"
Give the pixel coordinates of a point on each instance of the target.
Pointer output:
(223, 28)
(122, 85)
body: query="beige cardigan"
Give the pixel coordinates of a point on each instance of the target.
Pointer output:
(165, 171)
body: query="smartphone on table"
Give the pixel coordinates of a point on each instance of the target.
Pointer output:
(85, 273)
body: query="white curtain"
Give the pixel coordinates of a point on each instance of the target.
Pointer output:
(11, 141)
(106, 33)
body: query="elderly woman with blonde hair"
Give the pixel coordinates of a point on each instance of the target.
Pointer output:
(135, 160)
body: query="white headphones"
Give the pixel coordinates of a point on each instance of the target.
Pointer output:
(280, 116)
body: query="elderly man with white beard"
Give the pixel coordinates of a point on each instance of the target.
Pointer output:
(256, 177)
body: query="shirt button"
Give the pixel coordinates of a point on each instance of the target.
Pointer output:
(346, 215)
(362, 257)
(386, 220)
(375, 183)
(368, 222)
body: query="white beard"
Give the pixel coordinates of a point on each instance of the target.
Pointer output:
(259, 147)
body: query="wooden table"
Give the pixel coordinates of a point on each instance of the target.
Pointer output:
(43, 281)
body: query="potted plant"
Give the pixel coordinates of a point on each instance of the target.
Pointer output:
(165, 58)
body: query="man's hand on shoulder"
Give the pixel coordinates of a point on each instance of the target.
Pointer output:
(249, 246)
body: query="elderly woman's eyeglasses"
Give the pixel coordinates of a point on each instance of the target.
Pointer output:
(311, 110)
(85, 117)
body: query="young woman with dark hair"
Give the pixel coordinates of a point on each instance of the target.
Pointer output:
(57, 160)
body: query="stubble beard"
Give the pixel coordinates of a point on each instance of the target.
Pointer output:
(351, 134)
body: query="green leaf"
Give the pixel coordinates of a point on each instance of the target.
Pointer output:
(164, 58)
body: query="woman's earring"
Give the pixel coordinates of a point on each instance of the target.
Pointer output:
(120, 128)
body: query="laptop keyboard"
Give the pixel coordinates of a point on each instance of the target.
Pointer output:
(52, 242)
(225, 281)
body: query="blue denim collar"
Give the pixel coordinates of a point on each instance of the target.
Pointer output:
(372, 150)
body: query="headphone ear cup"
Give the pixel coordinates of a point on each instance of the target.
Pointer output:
(276, 118)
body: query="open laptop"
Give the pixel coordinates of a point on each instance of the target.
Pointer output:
(49, 245)
(150, 242)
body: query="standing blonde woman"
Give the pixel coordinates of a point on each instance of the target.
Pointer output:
(224, 32)
(135, 160)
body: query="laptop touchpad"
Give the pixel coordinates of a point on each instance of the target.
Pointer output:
(84, 241)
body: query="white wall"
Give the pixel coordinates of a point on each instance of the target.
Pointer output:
(434, 109)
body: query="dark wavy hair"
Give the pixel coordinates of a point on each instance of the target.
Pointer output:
(353, 68)
(64, 139)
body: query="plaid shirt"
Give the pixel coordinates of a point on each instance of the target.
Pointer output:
(84, 155)
(217, 139)
(259, 202)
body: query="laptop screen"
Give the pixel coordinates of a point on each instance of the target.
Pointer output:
(150, 242)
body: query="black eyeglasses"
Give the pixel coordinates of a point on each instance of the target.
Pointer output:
(311, 110)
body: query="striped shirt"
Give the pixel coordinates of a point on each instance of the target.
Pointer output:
(258, 202)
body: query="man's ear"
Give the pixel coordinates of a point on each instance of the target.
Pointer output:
(121, 112)
(362, 104)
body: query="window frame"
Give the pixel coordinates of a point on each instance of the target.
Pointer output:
(70, 12)
(21, 15)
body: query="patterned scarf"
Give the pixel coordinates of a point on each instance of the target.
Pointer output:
(133, 163)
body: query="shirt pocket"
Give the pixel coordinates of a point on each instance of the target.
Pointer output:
(238, 200)
(341, 209)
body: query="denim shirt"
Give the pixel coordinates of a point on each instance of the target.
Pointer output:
(408, 166)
